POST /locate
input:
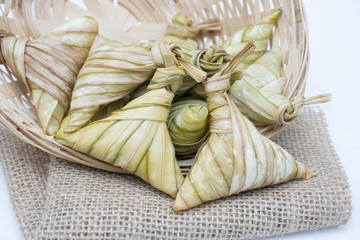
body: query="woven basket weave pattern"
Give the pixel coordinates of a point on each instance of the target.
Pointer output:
(135, 21)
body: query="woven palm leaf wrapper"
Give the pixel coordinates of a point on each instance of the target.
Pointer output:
(69, 138)
(188, 125)
(136, 137)
(259, 33)
(49, 65)
(236, 157)
(110, 73)
(108, 109)
(258, 92)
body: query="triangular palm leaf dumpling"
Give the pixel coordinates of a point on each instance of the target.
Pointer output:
(258, 92)
(136, 137)
(110, 73)
(261, 83)
(236, 157)
(49, 65)
(259, 33)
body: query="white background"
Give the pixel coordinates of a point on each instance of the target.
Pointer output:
(335, 67)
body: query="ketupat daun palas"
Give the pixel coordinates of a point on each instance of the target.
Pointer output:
(110, 73)
(236, 157)
(213, 59)
(188, 125)
(259, 33)
(136, 138)
(258, 92)
(49, 65)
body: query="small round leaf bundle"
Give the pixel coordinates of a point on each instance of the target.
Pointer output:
(188, 125)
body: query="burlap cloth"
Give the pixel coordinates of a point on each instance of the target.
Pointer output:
(55, 199)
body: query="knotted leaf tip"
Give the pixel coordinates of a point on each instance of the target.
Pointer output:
(183, 27)
(211, 60)
(220, 81)
(170, 78)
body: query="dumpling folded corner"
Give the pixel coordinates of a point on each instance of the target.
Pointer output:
(259, 32)
(49, 66)
(110, 73)
(258, 92)
(69, 138)
(236, 157)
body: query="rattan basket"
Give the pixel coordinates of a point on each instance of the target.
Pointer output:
(135, 21)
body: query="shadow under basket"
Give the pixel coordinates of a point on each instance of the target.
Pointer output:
(136, 21)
